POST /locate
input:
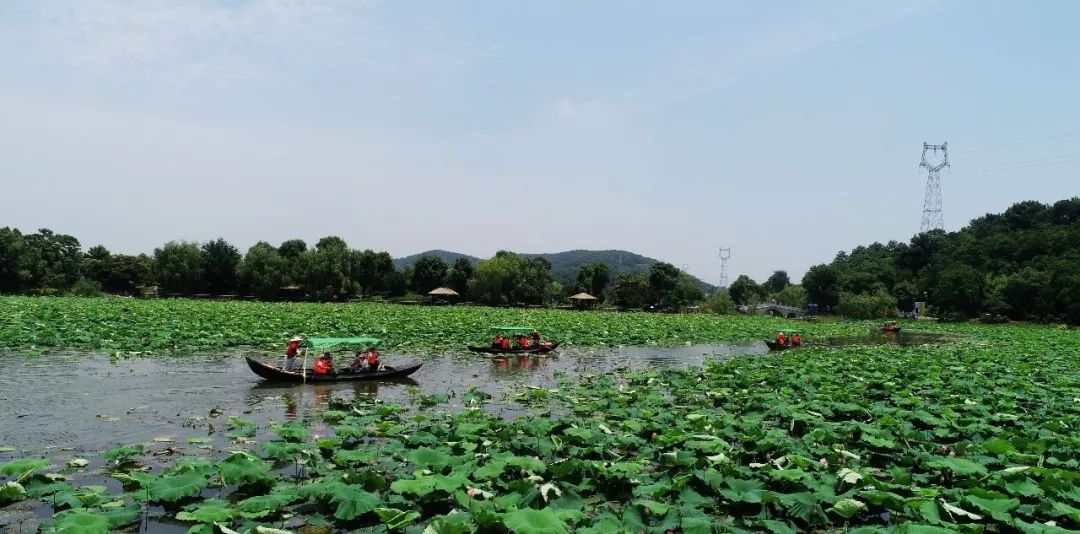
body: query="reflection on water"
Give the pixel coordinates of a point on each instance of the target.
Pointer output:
(90, 402)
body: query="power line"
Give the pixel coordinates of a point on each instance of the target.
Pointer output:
(1019, 143)
(1025, 164)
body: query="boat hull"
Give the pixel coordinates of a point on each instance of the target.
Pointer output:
(542, 349)
(275, 374)
(773, 345)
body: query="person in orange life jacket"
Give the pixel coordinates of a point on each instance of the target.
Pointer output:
(504, 344)
(796, 340)
(497, 343)
(523, 342)
(323, 365)
(780, 339)
(290, 353)
(372, 357)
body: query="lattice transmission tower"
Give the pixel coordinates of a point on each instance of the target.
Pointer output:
(932, 218)
(725, 255)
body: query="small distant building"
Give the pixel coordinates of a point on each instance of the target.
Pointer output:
(583, 301)
(443, 295)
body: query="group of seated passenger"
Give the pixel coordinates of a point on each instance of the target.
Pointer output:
(794, 341)
(365, 362)
(523, 341)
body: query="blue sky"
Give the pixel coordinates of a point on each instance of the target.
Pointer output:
(785, 130)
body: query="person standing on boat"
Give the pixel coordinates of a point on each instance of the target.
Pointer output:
(796, 340)
(290, 353)
(536, 338)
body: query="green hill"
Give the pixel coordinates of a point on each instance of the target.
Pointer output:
(564, 265)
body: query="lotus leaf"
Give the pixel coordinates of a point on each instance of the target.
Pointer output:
(531, 521)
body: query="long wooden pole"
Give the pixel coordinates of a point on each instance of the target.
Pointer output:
(303, 370)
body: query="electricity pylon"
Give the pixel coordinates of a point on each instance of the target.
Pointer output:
(932, 218)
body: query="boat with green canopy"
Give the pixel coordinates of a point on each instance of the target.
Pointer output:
(319, 345)
(535, 346)
(774, 344)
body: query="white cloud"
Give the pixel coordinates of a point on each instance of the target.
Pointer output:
(165, 43)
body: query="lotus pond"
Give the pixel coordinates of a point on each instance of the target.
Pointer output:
(979, 434)
(182, 327)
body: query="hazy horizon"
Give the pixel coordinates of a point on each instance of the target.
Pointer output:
(786, 131)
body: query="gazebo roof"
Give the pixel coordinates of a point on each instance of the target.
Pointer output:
(443, 292)
(582, 296)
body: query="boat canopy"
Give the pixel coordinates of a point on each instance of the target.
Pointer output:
(330, 344)
(791, 332)
(511, 330)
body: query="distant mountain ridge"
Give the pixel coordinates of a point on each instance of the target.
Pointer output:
(564, 265)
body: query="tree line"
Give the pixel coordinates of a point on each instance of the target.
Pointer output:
(1022, 264)
(49, 263)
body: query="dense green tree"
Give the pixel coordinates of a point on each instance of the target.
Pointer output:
(292, 249)
(792, 295)
(959, 290)
(631, 291)
(219, 261)
(776, 282)
(329, 268)
(493, 278)
(555, 292)
(95, 263)
(116, 273)
(531, 280)
(876, 305)
(1028, 294)
(429, 272)
(178, 267)
(687, 292)
(126, 274)
(457, 278)
(292, 254)
(394, 284)
(262, 271)
(906, 294)
(11, 244)
(719, 302)
(593, 278)
(744, 291)
(822, 285)
(49, 260)
(388, 279)
(663, 278)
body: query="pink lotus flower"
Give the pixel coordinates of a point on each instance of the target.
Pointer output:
(823, 462)
(315, 437)
(471, 492)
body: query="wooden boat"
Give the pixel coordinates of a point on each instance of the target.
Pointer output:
(890, 327)
(773, 345)
(540, 349)
(277, 374)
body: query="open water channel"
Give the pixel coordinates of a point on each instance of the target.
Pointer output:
(66, 406)
(84, 403)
